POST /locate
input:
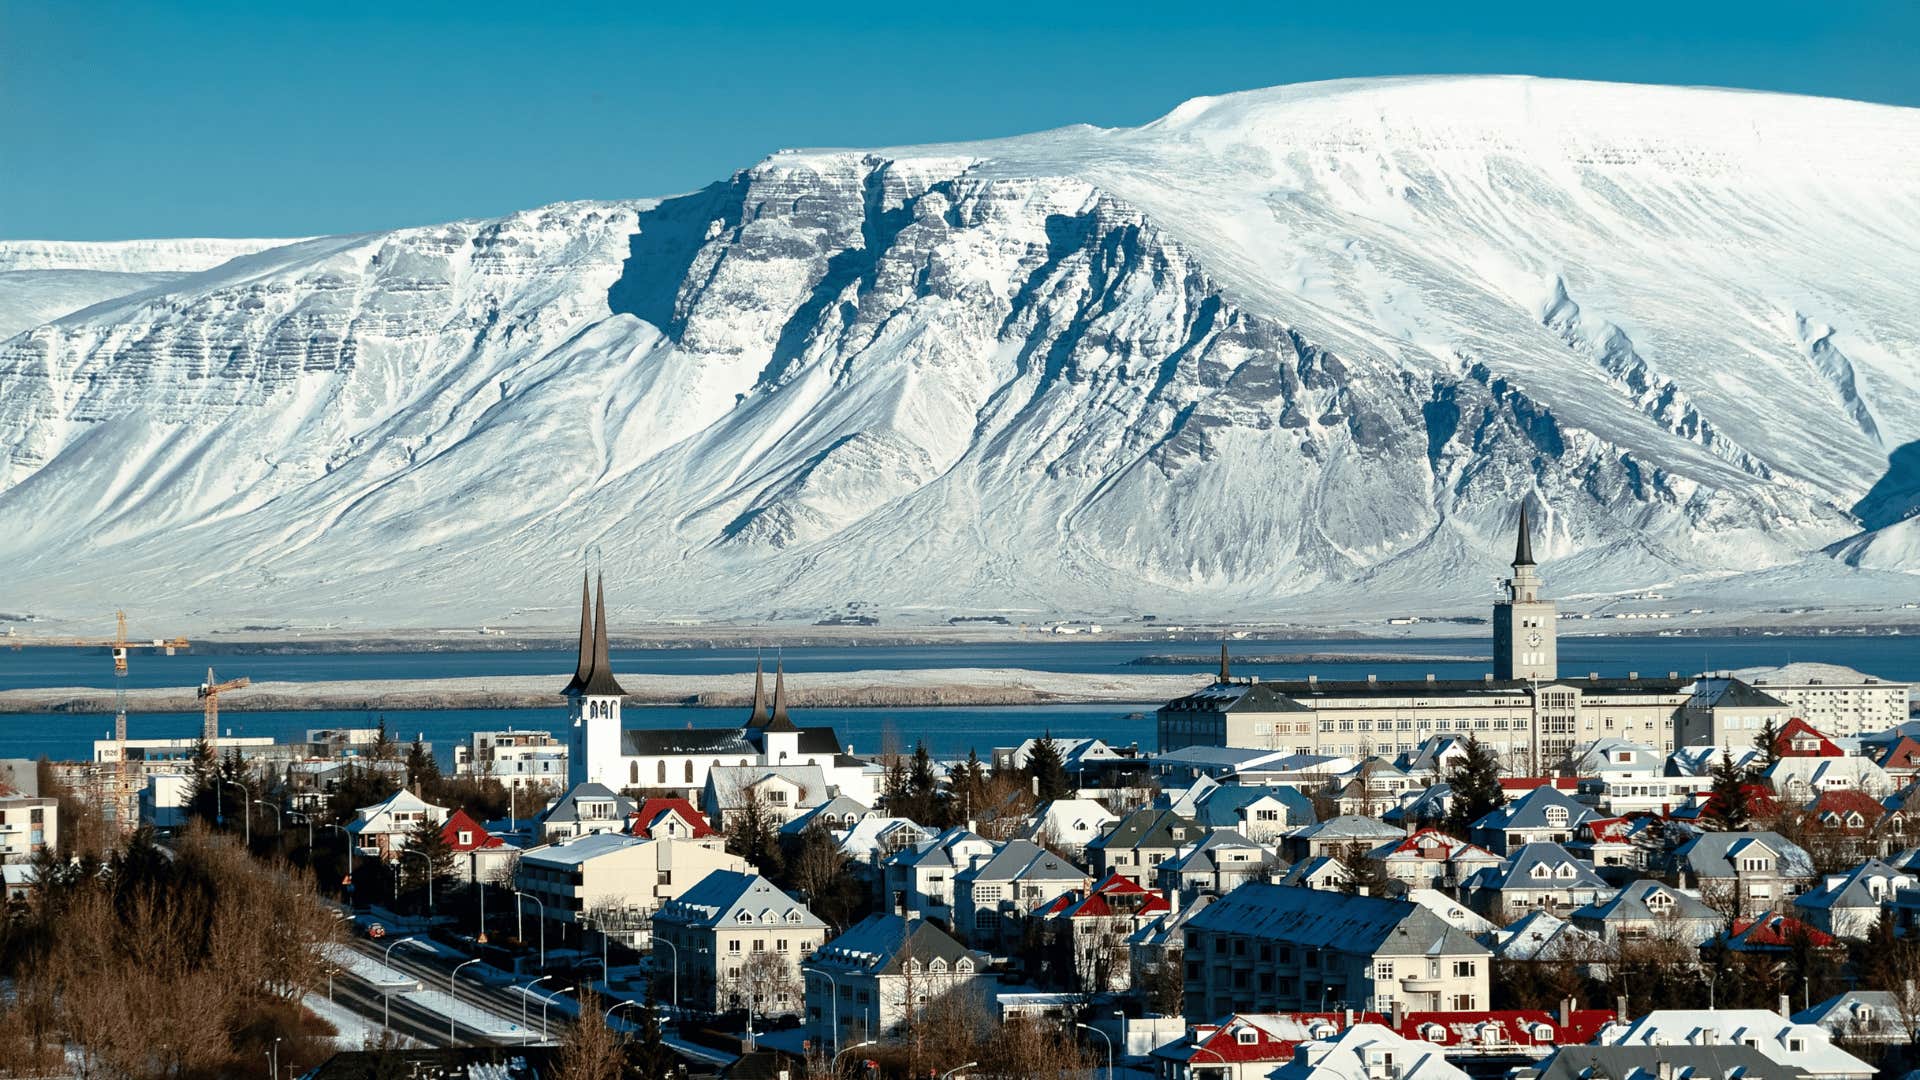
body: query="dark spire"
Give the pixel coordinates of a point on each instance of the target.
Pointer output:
(779, 721)
(600, 681)
(1226, 672)
(584, 666)
(759, 715)
(1523, 551)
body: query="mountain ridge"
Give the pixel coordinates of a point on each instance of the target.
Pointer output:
(1085, 371)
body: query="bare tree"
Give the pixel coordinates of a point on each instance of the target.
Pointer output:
(591, 1051)
(763, 979)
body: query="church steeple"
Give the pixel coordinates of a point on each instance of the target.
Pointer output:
(584, 665)
(1523, 550)
(779, 721)
(1226, 671)
(1524, 625)
(600, 681)
(758, 718)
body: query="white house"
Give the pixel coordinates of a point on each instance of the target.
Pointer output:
(1368, 1052)
(866, 983)
(384, 826)
(1801, 1046)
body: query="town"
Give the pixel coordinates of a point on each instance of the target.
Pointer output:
(1534, 874)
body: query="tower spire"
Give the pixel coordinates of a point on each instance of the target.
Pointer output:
(758, 718)
(1523, 550)
(600, 681)
(583, 667)
(1226, 672)
(779, 721)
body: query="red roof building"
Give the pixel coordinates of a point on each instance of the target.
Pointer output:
(463, 834)
(1800, 739)
(1520, 785)
(1115, 897)
(1852, 813)
(1250, 1045)
(669, 819)
(1775, 933)
(1901, 757)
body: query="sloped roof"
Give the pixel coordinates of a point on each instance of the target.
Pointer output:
(1852, 889)
(1774, 931)
(652, 810)
(1724, 692)
(1637, 901)
(1530, 811)
(1023, 860)
(460, 821)
(1146, 827)
(1203, 856)
(724, 896)
(670, 742)
(1256, 697)
(1797, 730)
(1713, 854)
(1578, 1062)
(566, 809)
(1518, 873)
(882, 944)
(839, 807)
(1348, 827)
(1540, 935)
(1319, 918)
(1114, 896)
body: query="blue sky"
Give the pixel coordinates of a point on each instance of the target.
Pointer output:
(281, 119)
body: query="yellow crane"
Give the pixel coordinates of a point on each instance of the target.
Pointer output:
(124, 811)
(210, 692)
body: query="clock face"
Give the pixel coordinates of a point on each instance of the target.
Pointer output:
(1534, 639)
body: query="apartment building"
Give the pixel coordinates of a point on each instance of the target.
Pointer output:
(1276, 948)
(513, 757)
(29, 823)
(736, 942)
(616, 882)
(1837, 700)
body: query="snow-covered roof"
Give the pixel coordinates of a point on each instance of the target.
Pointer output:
(1769, 1032)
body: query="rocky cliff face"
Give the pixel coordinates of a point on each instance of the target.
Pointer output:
(1288, 351)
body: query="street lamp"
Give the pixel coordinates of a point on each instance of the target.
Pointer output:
(618, 1005)
(545, 1000)
(834, 1066)
(833, 996)
(309, 820)
(600, 926)
(453, 1038)
(245, 810)
(280, 817)
(1198, 1049)
(673, 996)
(425, 858)
(525, 992)
(957, 1068)
(276, 1057)
(1109, 1040)
(543, 922)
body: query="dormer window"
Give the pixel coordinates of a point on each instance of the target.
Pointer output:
(466, 838)
(1246, 1037)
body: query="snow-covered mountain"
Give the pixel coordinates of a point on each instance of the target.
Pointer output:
(1285, 352)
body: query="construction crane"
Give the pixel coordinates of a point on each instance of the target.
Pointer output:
(210, 692)
(124, 811)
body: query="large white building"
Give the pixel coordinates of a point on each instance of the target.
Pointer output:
(1837, 700)
(514, 758)
(676, 761)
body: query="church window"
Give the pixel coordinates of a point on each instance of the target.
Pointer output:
(660, 772)
(633, 772)
(689, 772)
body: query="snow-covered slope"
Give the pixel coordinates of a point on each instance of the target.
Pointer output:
(1286, 351)
(41, 280)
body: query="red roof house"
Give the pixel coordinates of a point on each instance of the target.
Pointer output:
(1854, 813)
(1774, 933)
(1115, 897)
(670, 819)
(1801, 739)
(1901, 757)
(464, 834)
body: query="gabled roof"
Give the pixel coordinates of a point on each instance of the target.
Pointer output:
(478, 837)
(952, 847)
(651, 811)
(1774, 932)
(1856, 888)
(1668, 1062)
(885, 944)
(1319, 918)
(1424, 845)
(1251, 697)
(1530, 811)
(1541, 935)
(566, 809)
(1903, 755)
(1715, 854)
(1847, 810)
(729, 784)
(1801, 739)
(400, 802)
(733, 898)
(1147, 827)
(1724, 692)
(1647, 899)
(1563, 871)
(1222, 804)
(836, 808)
(1023, 860)
(1115, 896)
(1206, 855)
(692, 741)
(1348, 827)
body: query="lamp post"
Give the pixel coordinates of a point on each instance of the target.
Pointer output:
(1198, 1049)
(453, 991)
(618, 1005)
(833, 996)
(673, 995)
(543, 922)
(276, 1057)
(425, 858)
(279, 817)
(834, 1066)
(600, 927)
(309, 820)
(545, 1000)
(1109, 1040)
(957, 1068)
(525, 992)
(245, 809)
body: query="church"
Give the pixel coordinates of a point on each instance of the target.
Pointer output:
(676, 762)
(1524, 710)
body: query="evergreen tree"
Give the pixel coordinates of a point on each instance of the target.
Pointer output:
(202, 799)
(422, 771)
(382, 748)
(1047, 771)
(923, 789)
(1474, 782)
(895, 790)
(1727, 807)
(754, 835)
(967, 788)
(1764, 742)
(429, 840)
(648, 1057)
(1361, 876)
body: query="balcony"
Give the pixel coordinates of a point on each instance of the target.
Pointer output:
(1423, 984)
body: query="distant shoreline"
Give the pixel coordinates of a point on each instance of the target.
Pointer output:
(844, 689)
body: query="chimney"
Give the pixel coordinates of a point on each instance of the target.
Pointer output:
(1395, 1013)
(1313, 680)
(1634, 676)
(1786, 1006)
(1620, 1008)
(1566, 1012)
(1349, 1018)
(1593, 676)
(1372, 678)
(1488, 677)
(1429, 678)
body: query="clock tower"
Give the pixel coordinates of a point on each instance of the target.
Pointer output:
(1524, 624)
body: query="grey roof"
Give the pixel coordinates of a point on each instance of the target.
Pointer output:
(729, 783)
(937, 851)
(1199, 858)
(1518, 872)
(882, 944)
(1221, 806)
(579, 850)
(1721, 692)
(1541, 935)
(1316, 917)
(839, 807)
(1712, 854)
(1024, 860)
(566, 808)
(1632, 903)
(1850, 890)
(1303, 872)
(1530, 811)
(1235, 697)
(1647, 1062)
(1147, 827)
(665, 742)
(1349, 827)
(724, 896)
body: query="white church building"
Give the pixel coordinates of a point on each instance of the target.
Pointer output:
(677, 761)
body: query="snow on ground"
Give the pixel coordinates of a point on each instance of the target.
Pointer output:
(355, 1031)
